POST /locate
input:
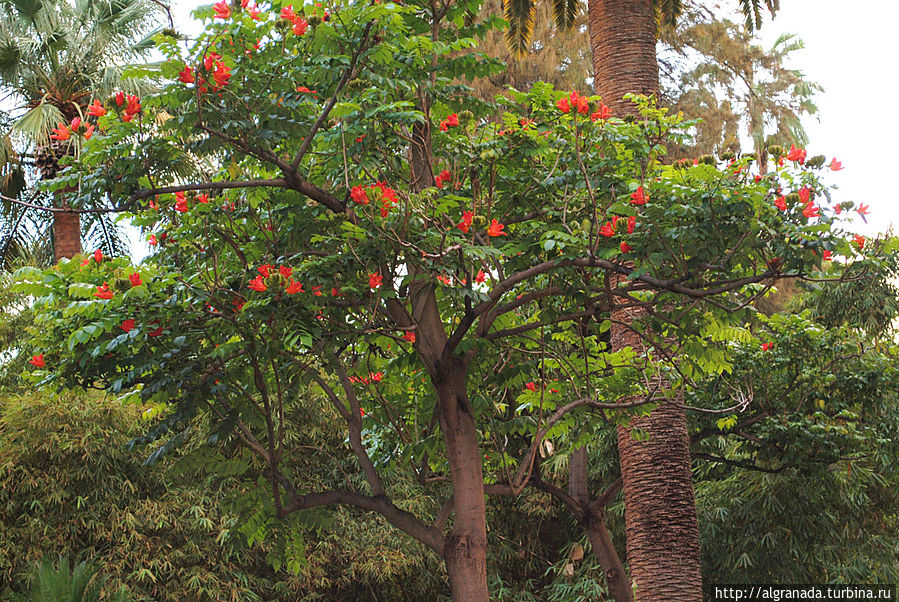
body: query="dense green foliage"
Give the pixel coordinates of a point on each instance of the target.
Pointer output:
(315, 288)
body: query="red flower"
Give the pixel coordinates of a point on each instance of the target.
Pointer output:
(127, 325)
(37, 361)
(76, 123)
(306, 90)
(531, 386)
(496, 229)
(265, 270)
(767, 346)
(811, 211)
(827, 255)
(450, 122)
(103, 292)
(287, 13)
(444, 176)
(89, 131)
(835, 165)
(186, 76)
(781, 203)
(562, 105)
(607, 230)
(357, 193)
(638, 197)
(317, 290)
(133, 105)
(152, 240)
(61, 132)
(409, 336)
(285, 271)
(446, 280)
(465, 224)
(804, 194)
(859, 240)
(98, 256)
(203, 198)
(583, 106)
(155, 333)
(863, 209)
(180, 202)
(480, 277)
(376, 376)
(238, 304)
(294, 287)
(96, 109)
(375, 280)
(796, 154)
(335, 292)
(625, 248)
(603, 112)
(757, 178)
(222, 10)
(135, 279)
(119, 98)
(838, 209)
(300, 26)
(221, 74)
(631, 224)
(257, 284)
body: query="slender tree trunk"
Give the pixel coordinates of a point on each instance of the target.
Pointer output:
(660, 507)
(465, 552)
(594, 526)
(66, 235)
(623, 40)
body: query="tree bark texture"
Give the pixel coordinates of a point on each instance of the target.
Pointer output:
(660, 506)
(66, 235)
(623, 39)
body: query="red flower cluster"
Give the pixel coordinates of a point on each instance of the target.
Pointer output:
(603, 112)
(300, 25)
(450, 122)
(95, 109)
(258, 284)
(409, 336)
(372, 377)
(130, 105)
(103, 292)
(639, 197)
(37, 361)
(574, 101)
(127, 325)
(859, 240)
(796, 154)
(444, 176)
(222, 10)
(835, 165)
(375, 281)
(135, 279)
(388, 196)
(767, 346)
(180, 202)
(465, 224)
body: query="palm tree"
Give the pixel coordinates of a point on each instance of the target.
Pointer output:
(55, 56)
(660, 508)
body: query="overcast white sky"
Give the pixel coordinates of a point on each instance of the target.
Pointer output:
(849, 50)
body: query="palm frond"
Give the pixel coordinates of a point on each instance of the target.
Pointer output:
(669, 11)
(37, 123)
(565, 12)
(521, 15)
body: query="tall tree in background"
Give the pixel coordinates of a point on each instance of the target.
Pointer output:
(54, 56)
(661, 527)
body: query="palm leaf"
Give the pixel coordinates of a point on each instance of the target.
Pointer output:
(521, 15)
(37, 123)
(669, 11)
(565, 12)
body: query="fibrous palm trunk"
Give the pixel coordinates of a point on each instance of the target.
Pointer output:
(66, 224)
(660, 508)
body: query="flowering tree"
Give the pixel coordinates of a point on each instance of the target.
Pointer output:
(334, 216)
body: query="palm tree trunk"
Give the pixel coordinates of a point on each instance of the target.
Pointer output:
(623, 39)
(660, 506)
(66, 235)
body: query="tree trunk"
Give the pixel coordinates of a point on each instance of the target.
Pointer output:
(660, 507)
(623, 40)
(594, 526)
(465, 552)
(66, 235)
